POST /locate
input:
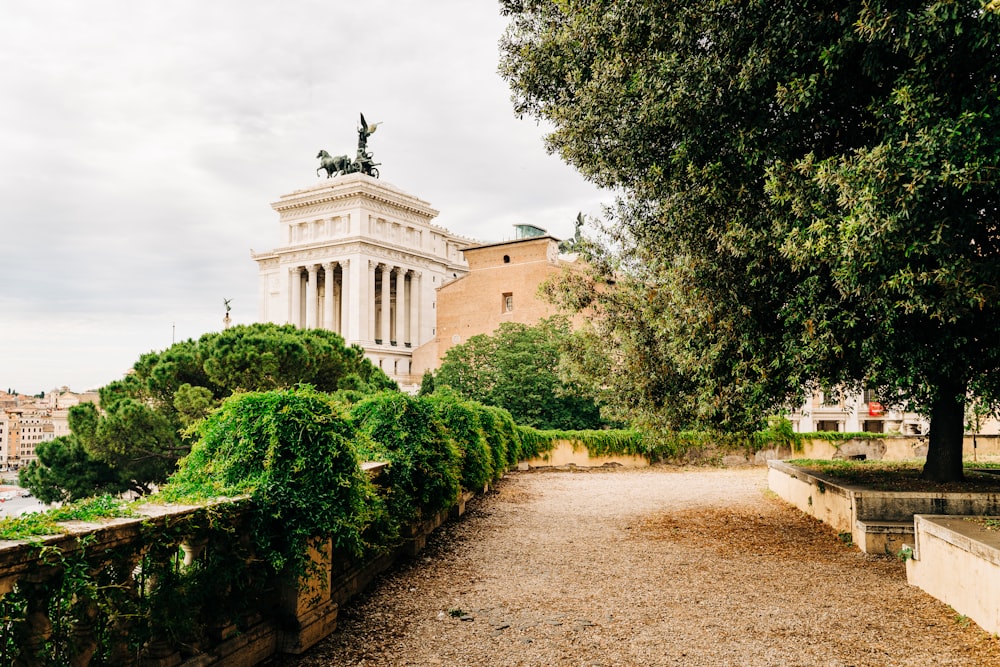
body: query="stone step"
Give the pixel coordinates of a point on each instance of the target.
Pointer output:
(883, 537)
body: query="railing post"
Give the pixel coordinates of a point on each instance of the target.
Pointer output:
(121, 570)
(36, 628)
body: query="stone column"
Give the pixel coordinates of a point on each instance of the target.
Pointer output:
(370, 335)
(328, 311)
(295, 294)
(386, 285)
(312, 296)
(399, 331)
(348, 302)
(415, 301)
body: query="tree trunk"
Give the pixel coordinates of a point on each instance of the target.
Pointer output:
(944, 450)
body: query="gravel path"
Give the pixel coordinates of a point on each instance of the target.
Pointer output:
(662, 566)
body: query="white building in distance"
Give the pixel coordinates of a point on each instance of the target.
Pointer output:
(360, 257)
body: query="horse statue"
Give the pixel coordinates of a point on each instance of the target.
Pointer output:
(333, 166)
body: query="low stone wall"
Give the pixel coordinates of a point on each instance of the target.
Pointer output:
(893, 448)
(573, 453)
(878, 521)
(816, 496)
(120, 563)
(957, 560)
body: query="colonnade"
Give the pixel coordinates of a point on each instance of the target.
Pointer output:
(380, 304)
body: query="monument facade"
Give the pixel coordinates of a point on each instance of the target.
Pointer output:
(362, 258)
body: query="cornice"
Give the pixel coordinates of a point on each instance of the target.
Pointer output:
(354, 186)
(360, 191)
(319, 254)
(365, 245)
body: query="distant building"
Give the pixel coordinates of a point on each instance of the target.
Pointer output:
(854, 413)
(8, 456)
(33, 421)
(361, 258)
(502, 285)
(9, 400)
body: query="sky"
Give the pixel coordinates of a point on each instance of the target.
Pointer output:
(142, 143)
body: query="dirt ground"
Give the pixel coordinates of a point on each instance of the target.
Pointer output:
(660, 566)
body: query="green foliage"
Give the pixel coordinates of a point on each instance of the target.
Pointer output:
(461, 422)
(424, 463)
(809, 196)
(497, 441)
(779, 433)
(64, 472)
(426, 383)
(143, 426)
(517, 368)
(291, 451)
(34, 524)
(507, 433)
(838, 436)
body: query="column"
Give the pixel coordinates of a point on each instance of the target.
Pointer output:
(328, 312)
(348, 299)
(399, 332)
(312, 296)
(371, 335)
(295, 294)
(415, 298)
(386, 284)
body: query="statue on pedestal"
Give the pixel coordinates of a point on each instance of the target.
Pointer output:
(341, 164)
(574, 244)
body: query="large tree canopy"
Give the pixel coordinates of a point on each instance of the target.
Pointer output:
(517, 368)
(142, 427)
(809, 195)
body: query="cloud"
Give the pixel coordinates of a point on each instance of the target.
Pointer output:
(144, 142)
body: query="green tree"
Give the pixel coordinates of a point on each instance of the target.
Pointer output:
(517, 368)
(426, 383)
(143, 426)
(809, 195)
(64, 472)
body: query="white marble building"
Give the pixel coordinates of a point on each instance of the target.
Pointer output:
(360, 257)
(854, 412)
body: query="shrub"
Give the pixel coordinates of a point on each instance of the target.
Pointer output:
(462, 422)
(496, 441)
(424, 464)
(291, 452)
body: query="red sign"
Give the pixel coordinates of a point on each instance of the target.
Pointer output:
(875, 409)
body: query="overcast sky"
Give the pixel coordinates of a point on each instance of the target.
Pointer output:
(141, 144)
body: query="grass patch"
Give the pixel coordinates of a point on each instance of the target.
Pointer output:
(900, 475)
(38, 524)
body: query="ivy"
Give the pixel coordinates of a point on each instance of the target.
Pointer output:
(424, 463)
(292, 452)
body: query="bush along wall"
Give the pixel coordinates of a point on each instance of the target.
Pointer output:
(269, 472)
(270, 476)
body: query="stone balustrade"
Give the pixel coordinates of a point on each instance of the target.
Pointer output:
(174, 585)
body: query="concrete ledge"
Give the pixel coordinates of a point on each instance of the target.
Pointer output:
(957, 561)
(572, 453)
(814, 495)
(883, 537)
(875, 519)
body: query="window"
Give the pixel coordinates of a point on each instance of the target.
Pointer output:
(507, 305)
(506, 259)
(873, 426)
(827, 425)
(830, 399)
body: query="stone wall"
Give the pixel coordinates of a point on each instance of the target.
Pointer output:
(114, 588)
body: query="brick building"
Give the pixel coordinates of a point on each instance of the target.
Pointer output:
(502, 285)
